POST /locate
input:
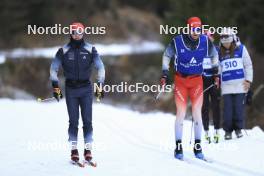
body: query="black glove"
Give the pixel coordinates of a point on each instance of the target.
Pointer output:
(99, 92)
(56, 91)
(215, 70)
(249, 98)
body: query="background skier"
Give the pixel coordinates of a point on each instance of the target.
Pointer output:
(188, 52)
(211, 96)
(77, 59)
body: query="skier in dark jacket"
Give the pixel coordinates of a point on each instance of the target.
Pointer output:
(77, 59)
(211, 96)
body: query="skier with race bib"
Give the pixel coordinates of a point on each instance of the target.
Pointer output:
(188, 52)
(236, 77)
(77, 58)
(211, 97)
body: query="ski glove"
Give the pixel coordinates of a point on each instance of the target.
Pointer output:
(249, 98)
(164, 78)
(57, 94)
(217, 82)
(56, 91)
(99, 92)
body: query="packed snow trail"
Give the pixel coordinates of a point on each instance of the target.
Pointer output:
(34, 142)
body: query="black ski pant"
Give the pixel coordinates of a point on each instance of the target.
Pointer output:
(211, 101)
(80, 100)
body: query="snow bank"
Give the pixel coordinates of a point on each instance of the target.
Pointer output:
(2, 58)
(104, 50)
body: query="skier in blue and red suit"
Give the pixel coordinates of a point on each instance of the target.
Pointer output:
(188, 52)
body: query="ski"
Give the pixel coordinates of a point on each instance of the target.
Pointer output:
(90, 163)
(191, 160)
(77, 163)
(205, 159)
(180, 159)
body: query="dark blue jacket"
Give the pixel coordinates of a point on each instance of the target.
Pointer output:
(77, 59)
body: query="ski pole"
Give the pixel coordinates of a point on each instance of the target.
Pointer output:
(205, 90)
(191, 132)
(157, 97)
(209, 87)
(244, 100)
(246, 132)
(45, 99)
(160, 92)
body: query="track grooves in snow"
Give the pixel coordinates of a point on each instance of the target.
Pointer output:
(126, 143)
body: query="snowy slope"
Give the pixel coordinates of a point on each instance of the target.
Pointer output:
(127, 143)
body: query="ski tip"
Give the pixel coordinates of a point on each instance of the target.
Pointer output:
(209, 160)
(77, 163)
(93, 164)
(80, 164)
(90, 163)
(206, 160)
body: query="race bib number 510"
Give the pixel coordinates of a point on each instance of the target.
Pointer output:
(232, 64)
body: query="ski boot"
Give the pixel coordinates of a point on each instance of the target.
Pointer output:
(178, 152)
(87, 155)
(75, 158)
(207, 137)
(88, 158)
(228, 136)
(238, 133)
(75, 155)
(197, 149)
(216, 136)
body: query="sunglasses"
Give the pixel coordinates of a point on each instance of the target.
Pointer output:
(196, 30)
(224, 36)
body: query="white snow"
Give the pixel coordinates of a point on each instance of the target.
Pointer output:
(2, 58)
(103, 50)
(126, 143)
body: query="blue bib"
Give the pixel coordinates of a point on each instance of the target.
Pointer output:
(233, 68)
(187, 61)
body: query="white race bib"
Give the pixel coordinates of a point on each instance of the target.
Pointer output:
(207, 63)
(232, 64)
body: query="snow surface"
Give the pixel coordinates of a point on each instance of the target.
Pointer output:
(104, 50)
(126, 143)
